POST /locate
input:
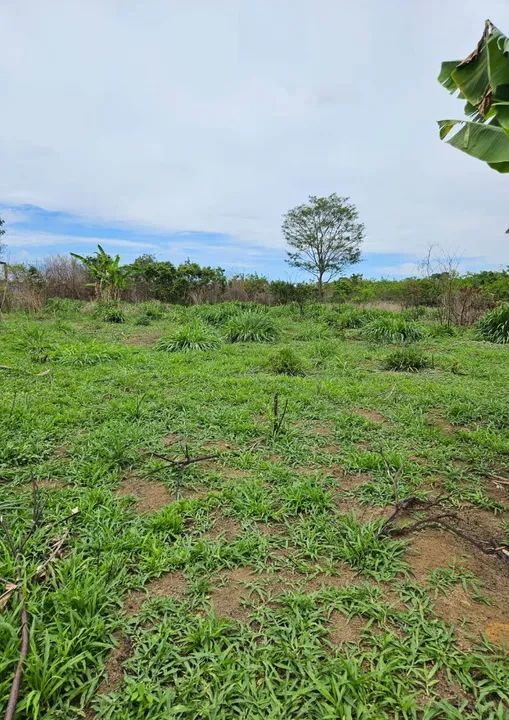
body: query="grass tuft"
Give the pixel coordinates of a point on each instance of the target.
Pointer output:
(494, 326)
(193, 336)
(251, 327)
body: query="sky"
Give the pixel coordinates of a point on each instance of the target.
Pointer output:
(186, 128)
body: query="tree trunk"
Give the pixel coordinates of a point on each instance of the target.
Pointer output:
(320, 287)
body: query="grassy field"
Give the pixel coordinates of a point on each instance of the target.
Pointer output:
(262, 582)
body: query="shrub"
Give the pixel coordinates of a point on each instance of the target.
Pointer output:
(392, 330)
(143, 320)
(441, 330)
(152, 309)
(494, 326)
(222, 312)
(115, 315)
(62, 307)
(285, 362)
(251, 327)
(355, 317)
(193, 336)
(406, 360)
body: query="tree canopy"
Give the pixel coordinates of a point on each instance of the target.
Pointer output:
(482, 79)
(324, 235)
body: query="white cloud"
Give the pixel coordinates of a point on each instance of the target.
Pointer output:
(39, 240)
(220, 116)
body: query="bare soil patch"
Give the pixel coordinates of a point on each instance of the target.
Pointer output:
(225, 527)
(51, 484)
(227, 598)
(218, 446)
(343, 630)
(440, 422)
(114, 673)
(149, 495)
(233, 473)
(171, 584)
(144, 339)
(431, 549)
(371, 415)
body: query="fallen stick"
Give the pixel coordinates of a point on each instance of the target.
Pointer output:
(25, 641)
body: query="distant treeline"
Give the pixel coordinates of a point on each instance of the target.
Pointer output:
(190, 283)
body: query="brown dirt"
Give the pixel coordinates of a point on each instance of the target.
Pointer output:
(171, 584)
(433, 548)
(320, 429)
(51, 484)
(440, 422)
(218, 446)
(114, 673)
(149, 494)
(233, 473)
(371, 415)
(343, 630)
(172, 439)
(346, 576)
(144, 339)
(225, 527)
(227, 598)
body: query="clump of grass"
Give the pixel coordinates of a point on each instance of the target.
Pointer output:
(193, 336)
(355, 318)
(62, 307)
(406, 360)
(286, 362)
(152, 309)
(83, 354)
(251, 327)
(143, 320)
(114, 315)
(396, 330)
(494, 326)
(441, 330)
(34, 341)
(220, 313)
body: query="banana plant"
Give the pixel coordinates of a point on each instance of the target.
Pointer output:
(482, 79)
(108, 275)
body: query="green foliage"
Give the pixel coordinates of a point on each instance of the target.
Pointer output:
(220, 313)
(441, 330)
(62, 307)
(255, 591)
(169, 283)
(193, 336)
(482, 80)
(407, 360)
(114, 315)
(85, 353)
(251, 327)
(285, 362)
(494, 326)
(392, 329)
(109, 277)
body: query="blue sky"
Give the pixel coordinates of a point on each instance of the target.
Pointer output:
(192, 127)
(35, 234)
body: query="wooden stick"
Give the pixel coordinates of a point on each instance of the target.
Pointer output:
(25, 642)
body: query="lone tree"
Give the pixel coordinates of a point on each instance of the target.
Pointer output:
(482, 80)
(324, 236)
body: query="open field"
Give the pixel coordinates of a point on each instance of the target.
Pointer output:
(261, 582)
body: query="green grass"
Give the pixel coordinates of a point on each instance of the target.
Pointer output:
(87, 405)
